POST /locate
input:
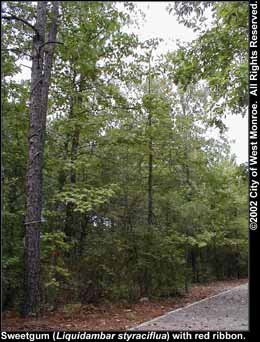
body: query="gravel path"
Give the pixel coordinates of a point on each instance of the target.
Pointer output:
(225, 311)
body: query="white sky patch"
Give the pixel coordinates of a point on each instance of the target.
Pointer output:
(25, 73)
(238, 132)
(159, 23)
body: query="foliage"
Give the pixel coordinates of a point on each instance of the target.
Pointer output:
(219, 55)
(112, 106)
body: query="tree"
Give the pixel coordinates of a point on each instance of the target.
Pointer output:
(218, 56)
(43, 52)
(42, 57)
(137, 199)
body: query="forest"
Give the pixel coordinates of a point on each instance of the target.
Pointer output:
(113, 187)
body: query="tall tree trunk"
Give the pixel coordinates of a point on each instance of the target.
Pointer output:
(75, 101)
(150, 160)
(216, 261)
(194, 265)
(146, 275)
(186, 276)
(150, 183)
(40, 79)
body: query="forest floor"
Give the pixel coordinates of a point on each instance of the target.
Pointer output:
(112, 316)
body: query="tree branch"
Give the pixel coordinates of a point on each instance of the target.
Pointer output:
(26, 66)
(17, 51)
(14, 17)
(49, 42)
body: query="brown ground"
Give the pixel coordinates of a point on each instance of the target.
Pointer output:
(112, 316)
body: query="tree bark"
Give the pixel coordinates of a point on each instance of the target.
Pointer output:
(150, 182)
(75, 136)
(150, 160)
(146, 275)
(40, 79)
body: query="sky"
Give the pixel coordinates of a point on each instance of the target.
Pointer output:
(159, 23)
